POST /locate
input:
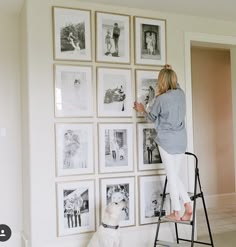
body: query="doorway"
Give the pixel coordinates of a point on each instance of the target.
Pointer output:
(212, 118)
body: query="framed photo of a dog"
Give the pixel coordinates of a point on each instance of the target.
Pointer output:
(72, 34)
(115, 147)
(112, 38)
(73, 91)
(74, 148)
(150, 190)
(75, 207)
(149, 157)
(146, 83)
(114, 92)
(116, 190)
(150, 41)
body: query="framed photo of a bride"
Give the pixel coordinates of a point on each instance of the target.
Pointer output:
(72, 34)
(150, 41)
(112, 38)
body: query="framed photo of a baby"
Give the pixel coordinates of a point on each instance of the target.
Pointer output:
(115, 190)
(115, 147)
(72, 34)
(75, 207)
(73, 91)
(74, 148)
(150, 190)
(112, 38)
(148, 152)
(114, 92)
(150, 41)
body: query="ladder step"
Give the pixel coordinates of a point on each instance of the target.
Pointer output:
(165, 220)
(169, 244)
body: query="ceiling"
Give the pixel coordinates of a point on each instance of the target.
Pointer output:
(217, 9)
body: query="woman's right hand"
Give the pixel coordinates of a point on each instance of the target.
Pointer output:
(139, 107)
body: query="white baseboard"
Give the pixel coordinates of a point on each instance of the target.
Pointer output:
(216, 201)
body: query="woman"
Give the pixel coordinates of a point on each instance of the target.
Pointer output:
(168, 113)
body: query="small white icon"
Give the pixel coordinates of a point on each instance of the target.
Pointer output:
(3, 233)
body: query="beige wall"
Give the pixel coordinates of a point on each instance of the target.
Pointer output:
(10, 148)
(212, 119)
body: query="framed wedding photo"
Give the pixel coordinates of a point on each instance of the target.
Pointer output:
(73, 91)
(115, 147)
(146, 83)
(72, 34)
(114, 92)
(74, 149)
(112, 38)
(150, 41)
(115, 190)
(150, 190)
(148, 152)
(75, 207)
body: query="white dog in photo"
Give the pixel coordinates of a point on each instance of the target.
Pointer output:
(108, 234)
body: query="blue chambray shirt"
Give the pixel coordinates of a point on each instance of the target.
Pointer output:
(168, 112)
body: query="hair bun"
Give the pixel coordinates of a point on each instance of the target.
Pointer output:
(167, 66)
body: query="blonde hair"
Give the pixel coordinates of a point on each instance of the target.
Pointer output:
(167, 79)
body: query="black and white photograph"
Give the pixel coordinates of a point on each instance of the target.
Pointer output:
(146, 83)
(150, 41)
(74, 148)
(115, 147)
(150, 190)
(116, 190)
(76, 212)
(72, 34)
(114, 92)
(148, 152)
(73, 91)
(113, 38)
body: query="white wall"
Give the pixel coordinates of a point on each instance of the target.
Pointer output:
(10, 148)
(41, 112)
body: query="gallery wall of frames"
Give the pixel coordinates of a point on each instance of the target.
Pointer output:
(115, 141)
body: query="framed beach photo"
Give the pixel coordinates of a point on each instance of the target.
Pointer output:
(150, 41)
(72, 34)
(149, 157)
(112, 38)
(73, 91)
(115, 147)
(114, 94)
(115, 190)
(150, 191)
(146, 83)
(75, 207)
(74, 149)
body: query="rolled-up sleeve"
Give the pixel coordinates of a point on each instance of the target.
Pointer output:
(154, 110)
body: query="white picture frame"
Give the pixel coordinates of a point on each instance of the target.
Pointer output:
(114, 94)
(112, 38)
(74, 148)
(150, 41)
(75, 207)
(112, 190)
(73, 91)
(115, 147)
(150, 196)
(72, 34)
(146, 83)
(149, 157)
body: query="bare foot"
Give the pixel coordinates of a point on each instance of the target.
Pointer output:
(188, 212)
(173, 216)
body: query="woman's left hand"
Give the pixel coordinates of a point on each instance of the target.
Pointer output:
(139, 107)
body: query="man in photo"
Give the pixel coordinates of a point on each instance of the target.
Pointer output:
(115, 36)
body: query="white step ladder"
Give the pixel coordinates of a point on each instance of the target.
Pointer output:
(192, 223)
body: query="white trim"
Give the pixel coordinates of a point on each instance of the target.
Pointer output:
(190, 37)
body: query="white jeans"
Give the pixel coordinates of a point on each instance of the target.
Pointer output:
(177, 190)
